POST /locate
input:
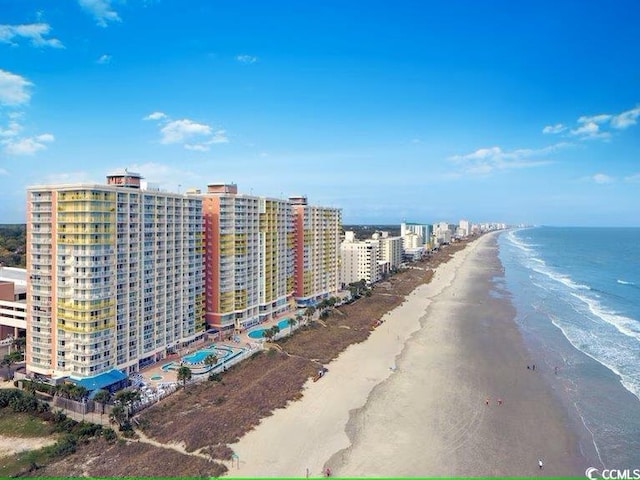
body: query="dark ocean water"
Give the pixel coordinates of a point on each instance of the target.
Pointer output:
(577, 296)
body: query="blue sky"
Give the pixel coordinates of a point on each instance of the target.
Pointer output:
(423, 111)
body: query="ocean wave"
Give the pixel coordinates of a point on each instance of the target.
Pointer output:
(616, 360)
(624, 282)
(561, 278)
(527, 247)
(625, 325)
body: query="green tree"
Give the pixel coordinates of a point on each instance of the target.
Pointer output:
(184, 375)
(211, 360)
(291, 322)
(11, 359)
(19, 343)
(118, 415)
(78, 392)
(102, 397)
(309, 311)
(275, 329)
(268, 334)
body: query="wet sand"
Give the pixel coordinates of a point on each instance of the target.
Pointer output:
(410, 401)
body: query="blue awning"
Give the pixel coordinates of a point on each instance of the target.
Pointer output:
(102, 380)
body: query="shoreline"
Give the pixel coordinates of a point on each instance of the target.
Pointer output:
(372, 427)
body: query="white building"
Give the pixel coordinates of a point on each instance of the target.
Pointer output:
(442, 233)
(115, 276)
(13, 305)
(389, 249)
(464, 228)
(359, 260)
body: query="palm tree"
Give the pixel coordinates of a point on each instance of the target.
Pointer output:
(102, 397)
(118, 415)
(64, 389)
(268, 334)
(19, 343)
(291, 322)
(275, 329)
(309, 311)
(184, 374)
(126, 398)
(211, 360)
(10, 359)
(78, 392)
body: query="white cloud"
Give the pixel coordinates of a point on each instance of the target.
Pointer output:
(3, 172)
(27, 145)
(178, 131)
(35, 32)
(12, 130)
(589, 128)
(602, 178)
(155, 116)
(487, 160)
(634, 178)
(589, 131)
(192, 135)
(102, 11)
(104, 59)
(14, 89)
(625, 119)
(247, 59)
(599, 119)
(557, 128)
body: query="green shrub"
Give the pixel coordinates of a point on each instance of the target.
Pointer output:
(109, 434)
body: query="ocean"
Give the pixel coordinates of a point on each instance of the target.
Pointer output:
(577, 296)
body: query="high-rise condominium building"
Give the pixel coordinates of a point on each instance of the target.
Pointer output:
(359, 260)
(317, 251)
(116, 276)
(248, 259)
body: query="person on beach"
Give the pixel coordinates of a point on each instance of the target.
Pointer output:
(534, 367)
(540, 464)
(499, 401)
(486, 402)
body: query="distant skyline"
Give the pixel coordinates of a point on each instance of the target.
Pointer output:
(421, 111)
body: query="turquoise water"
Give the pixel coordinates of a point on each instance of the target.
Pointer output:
(199, 355)
(577, 294)
(257, 333)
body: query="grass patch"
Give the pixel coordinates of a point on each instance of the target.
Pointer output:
(11, 465)
(18, 424)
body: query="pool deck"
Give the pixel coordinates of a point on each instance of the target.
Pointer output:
(246, 342)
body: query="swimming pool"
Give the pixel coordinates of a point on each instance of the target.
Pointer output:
(257, 332)
(199, 355)
(223, 353)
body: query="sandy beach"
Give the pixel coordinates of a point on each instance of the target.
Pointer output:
(411, 400)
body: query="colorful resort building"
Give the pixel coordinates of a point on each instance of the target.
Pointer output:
(248, 258)
(317, 232)
(115, 277)
(121, 275)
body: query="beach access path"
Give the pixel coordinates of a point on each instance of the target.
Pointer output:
(411, 399)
